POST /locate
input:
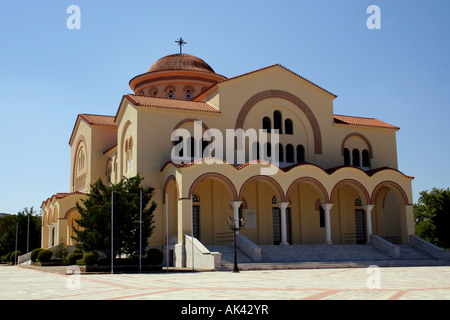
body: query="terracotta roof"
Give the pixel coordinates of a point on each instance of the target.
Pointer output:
(60, 195)
(365, 122)
(268, 67)
(166, 103)
(97, 119)
(181, 61)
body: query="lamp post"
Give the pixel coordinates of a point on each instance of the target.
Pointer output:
(235, 226)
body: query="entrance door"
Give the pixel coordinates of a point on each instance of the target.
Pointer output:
(276, 213)
(360, 226)
(196, 221)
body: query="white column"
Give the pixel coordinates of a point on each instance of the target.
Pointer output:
(283, 206)
(235, 205)
(327, 208)
(368, 208)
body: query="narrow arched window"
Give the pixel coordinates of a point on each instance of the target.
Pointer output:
(129, 154)
(195, 197)
(290, 153)
(191, 146)
(170, 93)
(300, 153)
(267, 153)
(288, 126)
(280, 152)
(266, 124)
(188, 94)
(347, 157)
(365, 158)
(181, 152)
(277, 121)
(274, 199)
(356, 158)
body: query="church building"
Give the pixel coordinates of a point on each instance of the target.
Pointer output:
(336, 181)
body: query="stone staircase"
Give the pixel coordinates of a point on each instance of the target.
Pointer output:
(298, 256)
(315, 253)
(227, 252)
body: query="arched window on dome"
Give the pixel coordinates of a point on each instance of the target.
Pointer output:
(153, 92)
(170, 93)
(188, 92)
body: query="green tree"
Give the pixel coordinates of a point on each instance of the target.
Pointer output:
(432, 216)
(8, 225)
(95, 220)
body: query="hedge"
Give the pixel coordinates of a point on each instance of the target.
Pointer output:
(14, 255)
(73, 257)
(45, 255)
(34, 254)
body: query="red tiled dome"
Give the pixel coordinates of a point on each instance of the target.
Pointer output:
(181, 61)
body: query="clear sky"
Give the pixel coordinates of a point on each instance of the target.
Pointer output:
(48, 73)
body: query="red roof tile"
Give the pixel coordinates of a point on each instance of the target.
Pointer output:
(365, 122)
(165, 103)
(60, 195)
(97, 119)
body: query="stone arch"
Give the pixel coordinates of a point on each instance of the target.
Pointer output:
(270, 180)
(362, 191)
(357, 134)
(323, 194)
(168, 180)
(390, 185)
(217, 176)
(251, 102)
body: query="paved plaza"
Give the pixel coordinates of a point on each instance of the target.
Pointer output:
(393, 283)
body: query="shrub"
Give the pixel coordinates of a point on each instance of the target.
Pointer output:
(77, 251)
(154, 256)
(61, 251)
(90, 258)
(45, 255)
(34, 254)
(73, 257)
(6, 257)
(14, 255)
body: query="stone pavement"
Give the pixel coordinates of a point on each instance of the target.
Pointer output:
(384, 283)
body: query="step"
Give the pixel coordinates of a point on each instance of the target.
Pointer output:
(321, 253)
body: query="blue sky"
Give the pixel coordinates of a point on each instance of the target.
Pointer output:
(49, 74)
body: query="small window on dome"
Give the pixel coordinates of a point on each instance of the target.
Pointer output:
(170, 94)
(153, 92)
(188, 94)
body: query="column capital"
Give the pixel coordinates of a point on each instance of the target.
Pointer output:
(327, 206)
(282, 205)
(368, 207)
(235, 204)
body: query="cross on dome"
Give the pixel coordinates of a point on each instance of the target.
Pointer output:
(181, 43)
